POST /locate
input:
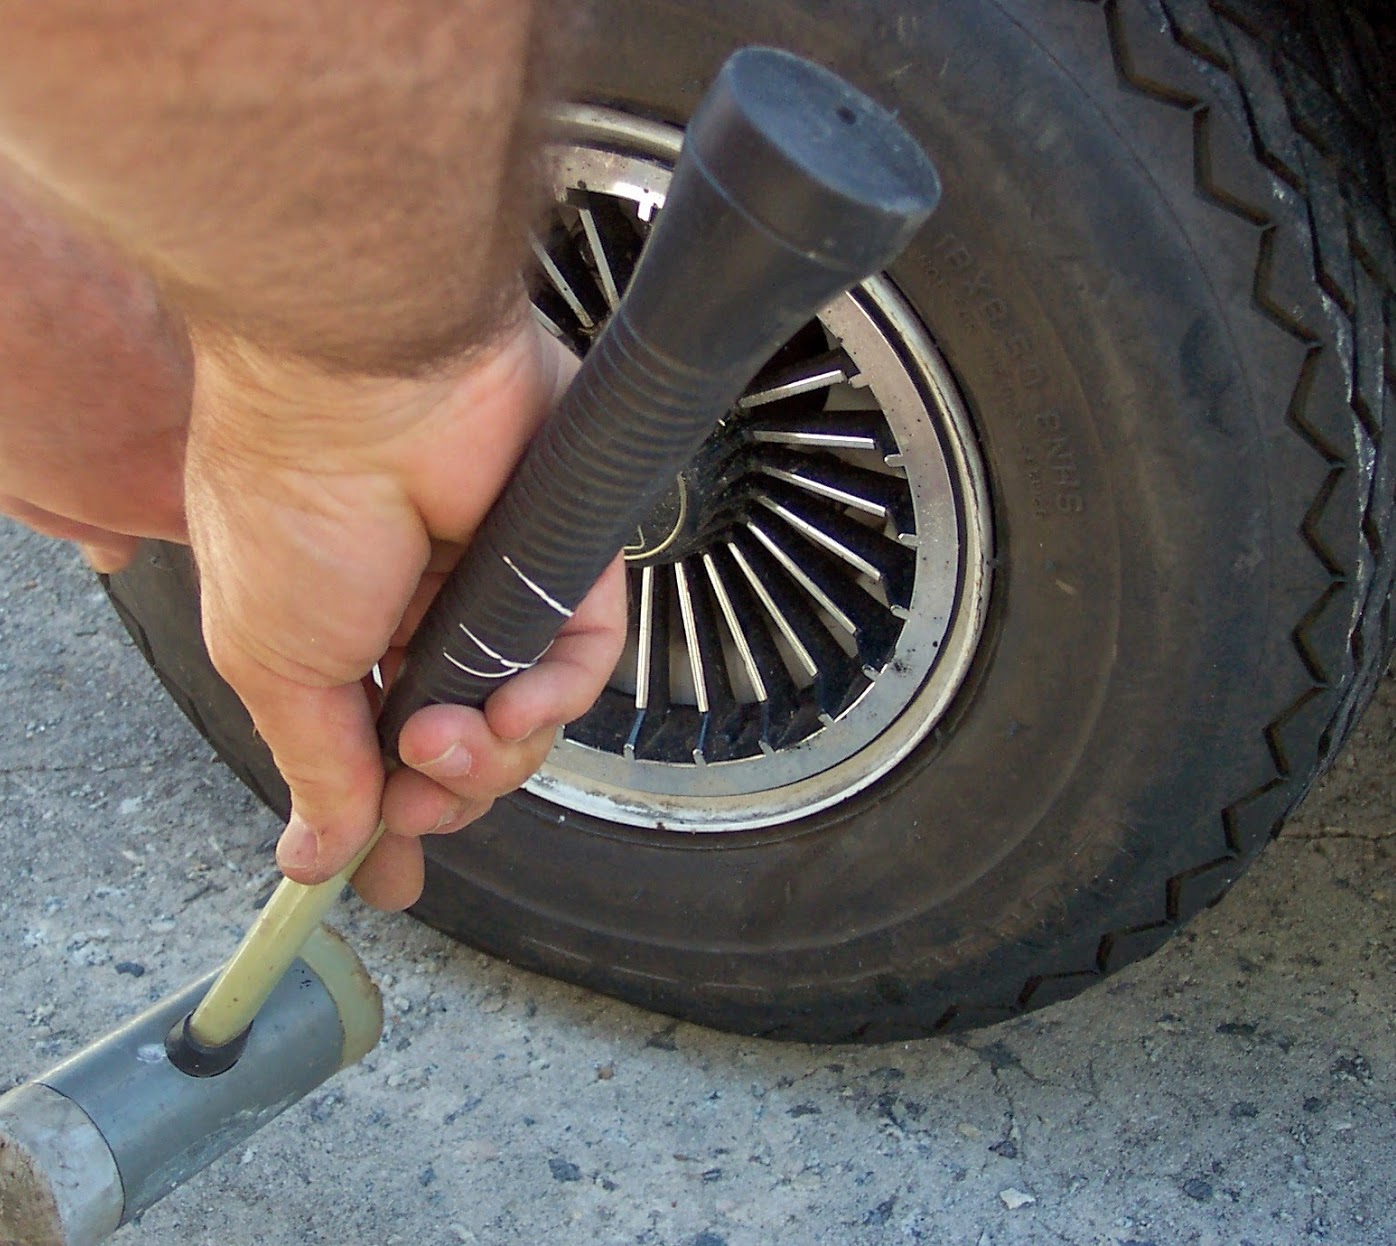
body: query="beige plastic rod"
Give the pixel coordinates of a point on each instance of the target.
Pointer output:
(267, 951)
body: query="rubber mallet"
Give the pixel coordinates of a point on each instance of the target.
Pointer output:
(791, 187)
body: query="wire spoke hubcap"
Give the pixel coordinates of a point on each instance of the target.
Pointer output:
(807, 599)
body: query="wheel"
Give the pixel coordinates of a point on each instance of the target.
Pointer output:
(1026, 590)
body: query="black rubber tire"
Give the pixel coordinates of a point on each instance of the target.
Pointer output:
(1162, 275)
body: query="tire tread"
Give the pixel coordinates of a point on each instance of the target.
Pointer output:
(1315, 138)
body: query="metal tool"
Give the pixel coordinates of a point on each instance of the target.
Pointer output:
(791, 187)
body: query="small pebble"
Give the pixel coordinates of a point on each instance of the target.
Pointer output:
(564, 1170)
(130, 967)
(1014, 1199)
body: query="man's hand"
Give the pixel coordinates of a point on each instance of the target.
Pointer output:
(335, 194)
(324, 511)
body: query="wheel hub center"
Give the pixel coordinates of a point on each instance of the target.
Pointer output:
(659, 529)
(698, 504)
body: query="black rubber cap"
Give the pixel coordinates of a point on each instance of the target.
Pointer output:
(194, 1059)
(817, 163)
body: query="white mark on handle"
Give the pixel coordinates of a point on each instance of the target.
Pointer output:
(538, 590)
(488, 652)
(470, 670)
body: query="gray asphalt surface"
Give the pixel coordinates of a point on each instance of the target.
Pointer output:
(1237, 1088)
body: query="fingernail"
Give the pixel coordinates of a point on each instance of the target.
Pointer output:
(299, 846)
(102, 560)
(449, 821)
(454, 763)
(531, 732)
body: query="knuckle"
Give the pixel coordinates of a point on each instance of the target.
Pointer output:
(321, 788)
(250, 651)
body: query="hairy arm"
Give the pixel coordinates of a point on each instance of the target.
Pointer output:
(332, 194)
(338, 180)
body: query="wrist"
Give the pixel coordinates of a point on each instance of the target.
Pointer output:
(280, 385)
(287, 405)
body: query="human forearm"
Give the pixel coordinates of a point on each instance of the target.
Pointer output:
(338, 180)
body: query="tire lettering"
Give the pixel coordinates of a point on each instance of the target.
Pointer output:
(1045, 443)
(1060, 454)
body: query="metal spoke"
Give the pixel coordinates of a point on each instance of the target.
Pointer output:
(837, 677)
(597, 247)
(553, 271)
(885, 562)
(548, 322)
(735, 629)
(777, 615)
(824, 490)
(644, 667)
(721, 735)
(800, 378)
(780, 711)
(827, 582)
(820, 537)
(824, 430)
(826, 476)
(822, 599)
(650, 621)
(815, 438)
(690, 635)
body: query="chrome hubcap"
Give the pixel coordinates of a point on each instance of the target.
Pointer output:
(808, 598)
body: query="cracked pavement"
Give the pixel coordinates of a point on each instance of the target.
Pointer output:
(1237, 1087)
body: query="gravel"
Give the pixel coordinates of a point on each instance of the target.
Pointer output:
(1238, 1087)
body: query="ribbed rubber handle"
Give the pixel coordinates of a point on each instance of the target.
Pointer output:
(791, 187)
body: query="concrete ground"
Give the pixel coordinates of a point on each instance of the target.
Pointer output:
(1238, 1087)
